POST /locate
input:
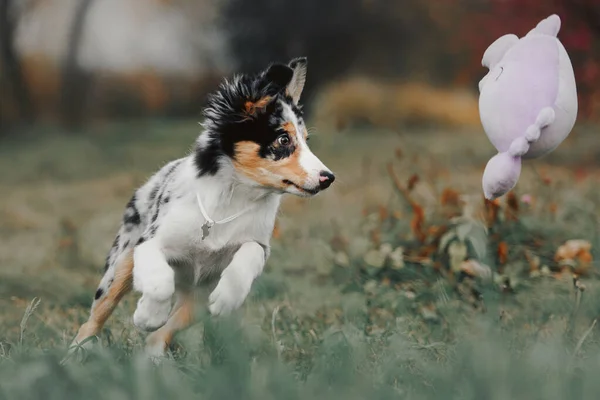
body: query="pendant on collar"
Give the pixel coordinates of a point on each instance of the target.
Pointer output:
(206, 229)
(209, 222)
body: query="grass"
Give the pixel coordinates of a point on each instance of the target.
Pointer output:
(325, 321)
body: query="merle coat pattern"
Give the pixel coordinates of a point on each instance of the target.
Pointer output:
(252, 150)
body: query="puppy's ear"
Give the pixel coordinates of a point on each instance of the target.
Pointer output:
(296, 83)
(279, 76)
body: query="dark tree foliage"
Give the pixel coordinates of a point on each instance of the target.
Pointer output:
(474, 24)
(338, 37)
(11, 77)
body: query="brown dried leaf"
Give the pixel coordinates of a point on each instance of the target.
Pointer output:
(512, 207)
(383, 213)
(66, 242)
(534, 262)
(339, 243)
(492, 209)
(416, 224)
(450, 197)
(502, 253)
(451, 203)
(575, 254)
(412, 181)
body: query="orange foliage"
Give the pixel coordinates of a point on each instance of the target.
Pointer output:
(502, 252)
(576, 253)
(416, 224)
(492, 208)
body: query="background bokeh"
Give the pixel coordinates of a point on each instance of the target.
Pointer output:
(398, 282)
(79, 61)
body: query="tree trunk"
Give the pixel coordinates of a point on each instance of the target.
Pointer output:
(75, 81)
(12, 74)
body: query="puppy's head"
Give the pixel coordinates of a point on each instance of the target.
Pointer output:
(256, 123)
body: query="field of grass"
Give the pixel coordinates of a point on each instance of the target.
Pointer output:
(367, 293)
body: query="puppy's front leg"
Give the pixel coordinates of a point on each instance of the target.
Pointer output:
(236, 280)
(155, 279)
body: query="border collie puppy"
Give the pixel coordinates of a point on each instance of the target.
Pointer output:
(211, 214)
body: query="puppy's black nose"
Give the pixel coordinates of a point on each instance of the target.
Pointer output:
(326, 178)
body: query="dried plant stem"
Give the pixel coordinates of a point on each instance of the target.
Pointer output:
(578, 295)
(274, 331)
(28, 312)
(399, 187)
(581, 341)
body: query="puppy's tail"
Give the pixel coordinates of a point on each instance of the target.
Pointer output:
(503, 170)
(127, 238)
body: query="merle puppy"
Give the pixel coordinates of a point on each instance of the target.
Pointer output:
(211, 214)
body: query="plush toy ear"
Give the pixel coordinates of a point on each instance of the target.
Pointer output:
(549, 26)
(296, 85)
(496, 51)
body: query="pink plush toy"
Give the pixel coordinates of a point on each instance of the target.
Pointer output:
(527, 102)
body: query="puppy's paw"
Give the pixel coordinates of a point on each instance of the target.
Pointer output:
(227, 296)
(151, 313)
(159, 283)
(78, 350)
(155, 352)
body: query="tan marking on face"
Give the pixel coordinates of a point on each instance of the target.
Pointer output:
(252, 107)
(289, 128)
(267, 172)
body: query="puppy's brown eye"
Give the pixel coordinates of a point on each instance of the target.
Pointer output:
(284, 140)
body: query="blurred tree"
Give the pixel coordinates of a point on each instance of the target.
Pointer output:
(11, 78)
(371, 37)
(472, 25)
(75, 80)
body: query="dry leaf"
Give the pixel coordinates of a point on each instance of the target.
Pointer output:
(492, 208)
(338, 243)
(502, 252)
(575, 254)
(475, 269)
(452, 204)
(534, 262)
(571, 249)
(412, 181)
(383, 213)
(450, 197)
(512, 210)
(417, 223)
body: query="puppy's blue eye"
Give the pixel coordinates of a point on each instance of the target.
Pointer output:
(284, 140)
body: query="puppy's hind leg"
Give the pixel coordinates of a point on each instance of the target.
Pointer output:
(116, 283)
(181, 317)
